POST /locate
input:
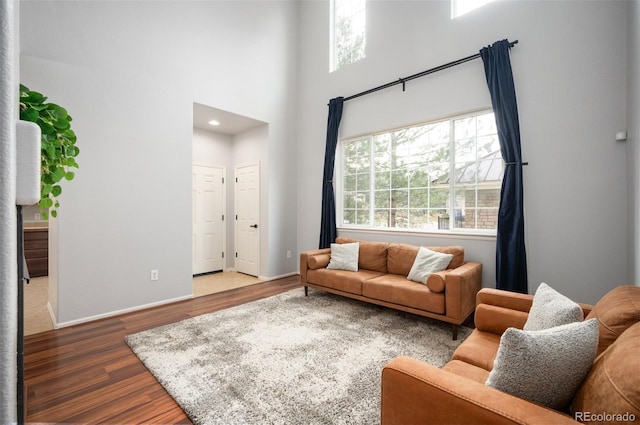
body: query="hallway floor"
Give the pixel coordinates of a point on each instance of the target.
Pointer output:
(37, 318)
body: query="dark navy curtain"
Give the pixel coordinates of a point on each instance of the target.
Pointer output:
(328, 230)
(511, 257)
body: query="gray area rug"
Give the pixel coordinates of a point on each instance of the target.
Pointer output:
(288, 359)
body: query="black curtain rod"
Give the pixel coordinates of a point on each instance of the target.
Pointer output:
(420, 74)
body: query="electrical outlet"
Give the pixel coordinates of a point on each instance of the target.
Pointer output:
(38, 216)
(288, 254)
(154, 274)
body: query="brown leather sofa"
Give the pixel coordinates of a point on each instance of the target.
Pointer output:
(414, 392)
(381, 279)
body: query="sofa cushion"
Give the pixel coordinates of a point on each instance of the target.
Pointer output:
(467, 370)
(550, 308)
(426, 263)
(400, 257)
(372, 256)
(612, 384)
(545, 366)
(479, 349)
(617, 311)
(397, 289)
(344, 256)
(456, 251)
(341, 280)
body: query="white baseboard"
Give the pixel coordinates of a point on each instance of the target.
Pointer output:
(140, 307)
(52, 315)
(117, 312)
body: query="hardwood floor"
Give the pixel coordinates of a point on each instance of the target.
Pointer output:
(86, 374)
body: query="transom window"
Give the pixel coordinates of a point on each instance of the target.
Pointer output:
(460, 7)
(438, 176)
(348, 30)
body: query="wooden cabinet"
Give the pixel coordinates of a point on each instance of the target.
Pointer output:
(36, 251)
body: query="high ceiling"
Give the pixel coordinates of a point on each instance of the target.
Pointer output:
(230, 123)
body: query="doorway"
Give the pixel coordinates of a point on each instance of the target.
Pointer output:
(231, 142)
(38, 315)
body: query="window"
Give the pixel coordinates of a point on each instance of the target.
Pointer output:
(460, 7)
(444, 175)
(348, 25)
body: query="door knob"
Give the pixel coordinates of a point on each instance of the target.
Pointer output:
(255, 226)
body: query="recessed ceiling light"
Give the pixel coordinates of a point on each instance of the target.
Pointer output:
(214, 122)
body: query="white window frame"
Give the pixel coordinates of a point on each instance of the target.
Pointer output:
(339, 189)
(333, 50)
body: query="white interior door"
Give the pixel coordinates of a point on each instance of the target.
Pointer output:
(247, 228)
(207, 213)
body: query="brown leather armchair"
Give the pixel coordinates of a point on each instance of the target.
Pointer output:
(414, 392)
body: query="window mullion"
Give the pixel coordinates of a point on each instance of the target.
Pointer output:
(372, 195)
(452, 173)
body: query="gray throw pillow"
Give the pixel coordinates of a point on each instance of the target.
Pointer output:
(546, 366)
(344, 256)
(550, 308)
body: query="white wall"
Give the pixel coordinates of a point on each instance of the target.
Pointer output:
(633, 134)
(570, 74)
(9, 11)
(210, 148)
(129, 72)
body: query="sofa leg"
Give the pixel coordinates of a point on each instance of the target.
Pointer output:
(306, 291)
(454, 329)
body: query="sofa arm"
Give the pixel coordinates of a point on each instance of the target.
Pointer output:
(461, 286)
(497, 310)
(414, 392)
(304, 261)
(506, 299)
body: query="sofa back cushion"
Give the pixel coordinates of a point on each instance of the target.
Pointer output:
(616, 311)
(611, 386)
(400, 257)
(372, 255)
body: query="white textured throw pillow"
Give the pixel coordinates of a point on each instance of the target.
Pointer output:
(344, 256)
(546, 366)
(426, 263)
(550, 308)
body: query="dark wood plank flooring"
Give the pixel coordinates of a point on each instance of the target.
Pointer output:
(86, 374)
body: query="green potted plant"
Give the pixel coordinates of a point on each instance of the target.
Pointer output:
(59, 150)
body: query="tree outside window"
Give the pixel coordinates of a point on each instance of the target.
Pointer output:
(348, 32)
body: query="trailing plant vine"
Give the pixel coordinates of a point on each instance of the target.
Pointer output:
(58, 150)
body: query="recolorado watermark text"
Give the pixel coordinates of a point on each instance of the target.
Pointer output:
(604, 417)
